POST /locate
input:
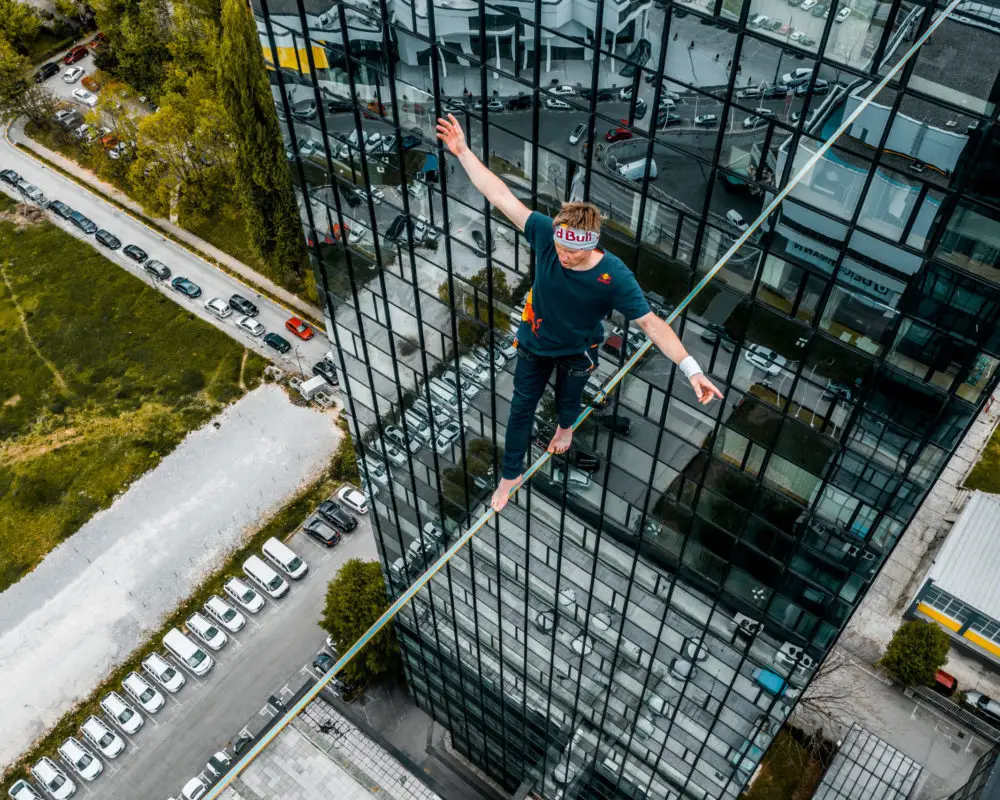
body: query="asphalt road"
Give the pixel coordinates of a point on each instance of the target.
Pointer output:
(213, 282)
(273, 651)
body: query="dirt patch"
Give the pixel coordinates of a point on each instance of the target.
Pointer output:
(24, 215)
(10, 402)
(27, 333)
(243, 363)
(39, 446)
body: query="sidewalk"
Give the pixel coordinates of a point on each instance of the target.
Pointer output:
(16, 134)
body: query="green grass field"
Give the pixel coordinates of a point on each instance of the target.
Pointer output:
(985, 476)
(100, 377)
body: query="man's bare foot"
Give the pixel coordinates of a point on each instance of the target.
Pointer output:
(502, 493)
(561, 441)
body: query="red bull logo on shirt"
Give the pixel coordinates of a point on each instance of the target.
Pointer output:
(528, 315)
(604, 278)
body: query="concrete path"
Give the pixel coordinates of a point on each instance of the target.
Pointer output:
(203, 248)
(98, 595)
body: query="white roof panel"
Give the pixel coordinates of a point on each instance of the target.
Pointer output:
(969, 562)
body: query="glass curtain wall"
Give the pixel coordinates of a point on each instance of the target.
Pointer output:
(642, 619)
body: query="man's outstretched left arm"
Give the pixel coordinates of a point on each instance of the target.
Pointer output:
(663, 336)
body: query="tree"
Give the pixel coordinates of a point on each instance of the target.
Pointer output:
(19, 94)
(115, 110)
(355, 598)
(917, 651)
(74, 13)
(475, 306)
(140, 46)
(19, 23)
(184, 153)
(263, 182)
(193, 46)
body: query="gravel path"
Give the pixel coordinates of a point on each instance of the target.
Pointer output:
(96, 597)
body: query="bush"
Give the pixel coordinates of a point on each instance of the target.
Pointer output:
(191, 381)
(345, 464)
(917, 651)
(356, 597)
(407, 346)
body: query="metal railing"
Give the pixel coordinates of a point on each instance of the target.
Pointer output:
(953, 709)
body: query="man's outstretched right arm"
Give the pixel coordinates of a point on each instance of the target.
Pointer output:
(493, 189)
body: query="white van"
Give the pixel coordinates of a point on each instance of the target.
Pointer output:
(636, 170)
(284, 559)
(163, 672)
(444, 393)
(265, 577)
(190, 655)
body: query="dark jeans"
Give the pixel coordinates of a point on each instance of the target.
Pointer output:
(530, 378)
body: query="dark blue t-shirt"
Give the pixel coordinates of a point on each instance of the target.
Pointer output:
(563, 311)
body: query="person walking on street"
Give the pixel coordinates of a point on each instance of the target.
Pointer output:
(576, 285)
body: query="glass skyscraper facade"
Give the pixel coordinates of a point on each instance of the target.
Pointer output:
(640, 621)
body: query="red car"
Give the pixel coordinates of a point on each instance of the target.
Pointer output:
(98, 40)
(74, 55)
(299, 328)
(618, 135)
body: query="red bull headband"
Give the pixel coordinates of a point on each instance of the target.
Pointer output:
(575, 238)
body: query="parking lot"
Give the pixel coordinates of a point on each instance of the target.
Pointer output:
(271, 655)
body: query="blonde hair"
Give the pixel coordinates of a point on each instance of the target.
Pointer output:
(585, 216)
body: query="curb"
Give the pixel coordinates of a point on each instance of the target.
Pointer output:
(312, 317)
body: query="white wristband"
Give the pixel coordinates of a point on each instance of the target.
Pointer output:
(690, 367)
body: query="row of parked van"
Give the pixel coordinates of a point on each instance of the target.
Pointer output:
(142, 690)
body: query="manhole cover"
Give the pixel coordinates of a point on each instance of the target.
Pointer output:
(956, 746)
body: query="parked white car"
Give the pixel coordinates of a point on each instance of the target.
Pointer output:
(447, 435)
(555, 104)
(22, 790)
(577, 478)
(563, 91)
(353, 499)
(469, 389)
(163, 672)
(194, 789)
(207, 631)
(56, 782)
(375, 469)
(417, 425)
(250, 326)
(140, 690)
(96, 731)
(123, 714)
(73, 74)
(735, 219)
(843, 14)
(80, 759)
(246, 597)
(223, 613)
(766, 359)
(392, 452)
(219, 307)
(86, 97)
(396, 435)
(474, 370)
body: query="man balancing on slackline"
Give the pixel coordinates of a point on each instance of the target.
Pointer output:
(576, 285)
